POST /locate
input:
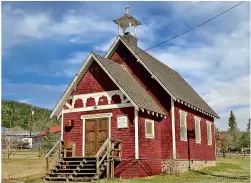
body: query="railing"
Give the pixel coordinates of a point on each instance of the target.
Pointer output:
(108, 152)
(56, 149)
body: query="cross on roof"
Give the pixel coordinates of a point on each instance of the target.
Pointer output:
(127, 9)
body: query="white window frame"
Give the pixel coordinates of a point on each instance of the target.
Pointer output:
(209, 126)
(197, 125)
(185, 117)
(150, 136)
(119, 127)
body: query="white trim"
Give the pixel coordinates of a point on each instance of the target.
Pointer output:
(185, 115)
(99, 107)
(121, 89)
(77, 78)
(59, 115)
(120, 116)
(136, 56)
(69, 88)
(62, 126)
(115, 44)
(150, 136)
(68, 105)
(197, 119)
(97, 96)
(173, 129)
(94, 116)
(209, 126)
(136, 123)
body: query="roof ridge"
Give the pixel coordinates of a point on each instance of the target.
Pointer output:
(171, 79)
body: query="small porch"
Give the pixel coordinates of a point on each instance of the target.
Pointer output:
(75, 168)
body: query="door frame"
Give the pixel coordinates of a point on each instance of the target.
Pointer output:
(95, 116)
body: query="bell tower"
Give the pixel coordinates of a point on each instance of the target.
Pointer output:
(128, 24)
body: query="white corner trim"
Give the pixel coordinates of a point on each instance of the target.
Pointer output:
(136, 123)
(94, 116)
(62, 126)
(99, 107)
(173, 129)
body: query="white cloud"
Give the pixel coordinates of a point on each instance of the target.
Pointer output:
(37, 94)
(105, 46)
(213, 58)
(217, 67)
(19, 26)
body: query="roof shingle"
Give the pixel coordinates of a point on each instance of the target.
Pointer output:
(172, 80)
(129, 84)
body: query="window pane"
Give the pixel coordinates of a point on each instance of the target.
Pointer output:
(149, 128)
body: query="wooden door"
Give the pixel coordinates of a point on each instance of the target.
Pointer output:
(96, 133)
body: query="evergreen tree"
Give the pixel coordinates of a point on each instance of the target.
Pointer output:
(233, 131)
(18, 114)
(248, 125)
(232, 123)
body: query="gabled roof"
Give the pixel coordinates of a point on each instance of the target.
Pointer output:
(169, 79)
(129, 84)
(125, 82)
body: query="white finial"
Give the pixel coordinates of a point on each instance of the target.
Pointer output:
(127, 9)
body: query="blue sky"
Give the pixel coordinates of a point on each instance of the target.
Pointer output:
(44, 44)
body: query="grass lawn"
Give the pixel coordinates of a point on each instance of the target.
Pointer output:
(231, 169)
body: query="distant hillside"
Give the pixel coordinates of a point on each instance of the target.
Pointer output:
(16, 114)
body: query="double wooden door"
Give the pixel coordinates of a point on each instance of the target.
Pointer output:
(96, 133)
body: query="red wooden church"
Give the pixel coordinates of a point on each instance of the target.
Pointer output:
(133, 111)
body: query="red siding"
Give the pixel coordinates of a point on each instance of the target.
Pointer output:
(160, 96)
(95, 80)
(151, 151)
(126, 134)
(197, 151)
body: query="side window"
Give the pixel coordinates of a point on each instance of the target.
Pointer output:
(209, 133)
(183, 125)
(149, 127)
(197, 129)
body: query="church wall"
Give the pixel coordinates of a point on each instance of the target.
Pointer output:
(160, 97)
(96, 80)
(190, 149)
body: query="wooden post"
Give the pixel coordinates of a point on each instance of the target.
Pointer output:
(47, 164)
(73, 149)
(8, 152)
(120, 150)
(59, 151)
(108, 169)
(97, 167)
(112, 162)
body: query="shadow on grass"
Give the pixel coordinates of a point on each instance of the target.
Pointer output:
(222, 176)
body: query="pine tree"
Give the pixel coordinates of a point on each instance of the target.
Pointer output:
(232, 123)
(233, 131)
(248, 125)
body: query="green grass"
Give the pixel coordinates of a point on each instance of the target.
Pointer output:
(231, 169)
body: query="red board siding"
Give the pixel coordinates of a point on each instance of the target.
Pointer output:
(160, 146)
(95, 80)
(143, 77)
(126, 134)
(160, 96)
(201, 151)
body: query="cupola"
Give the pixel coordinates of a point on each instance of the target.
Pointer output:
(128, 24)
